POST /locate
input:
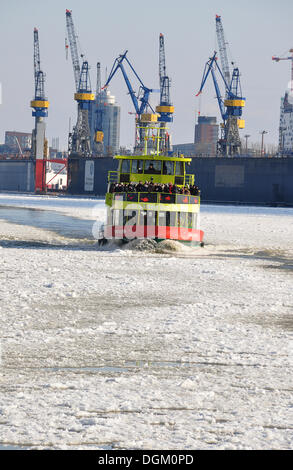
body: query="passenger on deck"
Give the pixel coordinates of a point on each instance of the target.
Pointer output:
(150, 187)
(139, 187)
(151, 168)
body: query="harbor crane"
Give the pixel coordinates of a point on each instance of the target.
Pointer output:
(165, 108)
(80, 139)
(233, 124)
(40, 105)
(145, 115)
(230, 107)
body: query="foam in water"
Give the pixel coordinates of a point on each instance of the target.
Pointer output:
(150, 245)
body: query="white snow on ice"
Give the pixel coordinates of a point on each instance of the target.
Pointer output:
(146, 346)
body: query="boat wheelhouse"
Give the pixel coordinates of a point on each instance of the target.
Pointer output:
(152, 196)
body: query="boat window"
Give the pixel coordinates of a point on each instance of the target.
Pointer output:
(147, 218)
(179, 168)
(143, 218)
(190, 219)
(130, 217)
(125, 166)
(117, 217)
(167, 219)
(172, 219)
(110, 217)
(182, 219)
(168, 168)
(153, 167)
(137, 166)
(162, 219)
(151, 218)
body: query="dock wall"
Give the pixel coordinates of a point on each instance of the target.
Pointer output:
(17, 175)
(227, 180)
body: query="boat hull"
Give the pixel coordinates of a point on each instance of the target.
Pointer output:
(157, 233)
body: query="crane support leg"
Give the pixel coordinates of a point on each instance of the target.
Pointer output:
(39, 139)
(40, 184)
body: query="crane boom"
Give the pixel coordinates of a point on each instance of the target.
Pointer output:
(165, 107)
(210, 69)
(164, 79)
(277, 59)
(37, 60)
(118, 64)
(39, 75)
(73, 47)
(222, 48)
(140, 101)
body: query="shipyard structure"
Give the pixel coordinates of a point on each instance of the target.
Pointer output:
(286, 126)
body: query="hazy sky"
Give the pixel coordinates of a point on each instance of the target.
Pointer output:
(255, 30)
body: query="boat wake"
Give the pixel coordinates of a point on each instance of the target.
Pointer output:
(150, 245)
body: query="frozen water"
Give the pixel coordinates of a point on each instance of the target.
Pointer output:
(145, 346)
(57, 222)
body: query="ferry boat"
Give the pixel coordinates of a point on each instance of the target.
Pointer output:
(152, 196)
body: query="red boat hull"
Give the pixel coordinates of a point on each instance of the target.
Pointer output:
(156, 232)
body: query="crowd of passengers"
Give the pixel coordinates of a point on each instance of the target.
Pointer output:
(149, 187)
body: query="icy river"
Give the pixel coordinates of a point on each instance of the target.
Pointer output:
(141, 346)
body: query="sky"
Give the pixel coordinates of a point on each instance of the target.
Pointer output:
(254, 30)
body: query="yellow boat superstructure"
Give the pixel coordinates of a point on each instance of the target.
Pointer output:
(152, 196)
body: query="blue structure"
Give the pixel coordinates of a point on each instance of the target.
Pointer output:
(230, 107)
(229, 144)
(40, 103)
(165, 108)
(144, 99)
(140, 101)
(80, 139)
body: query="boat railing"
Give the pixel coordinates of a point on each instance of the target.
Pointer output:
(157, 198)
(112, 176)
(189, 179)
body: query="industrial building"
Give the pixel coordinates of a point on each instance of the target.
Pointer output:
(18, 141)
(205, 143)
(106, 115)
(206, 136)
